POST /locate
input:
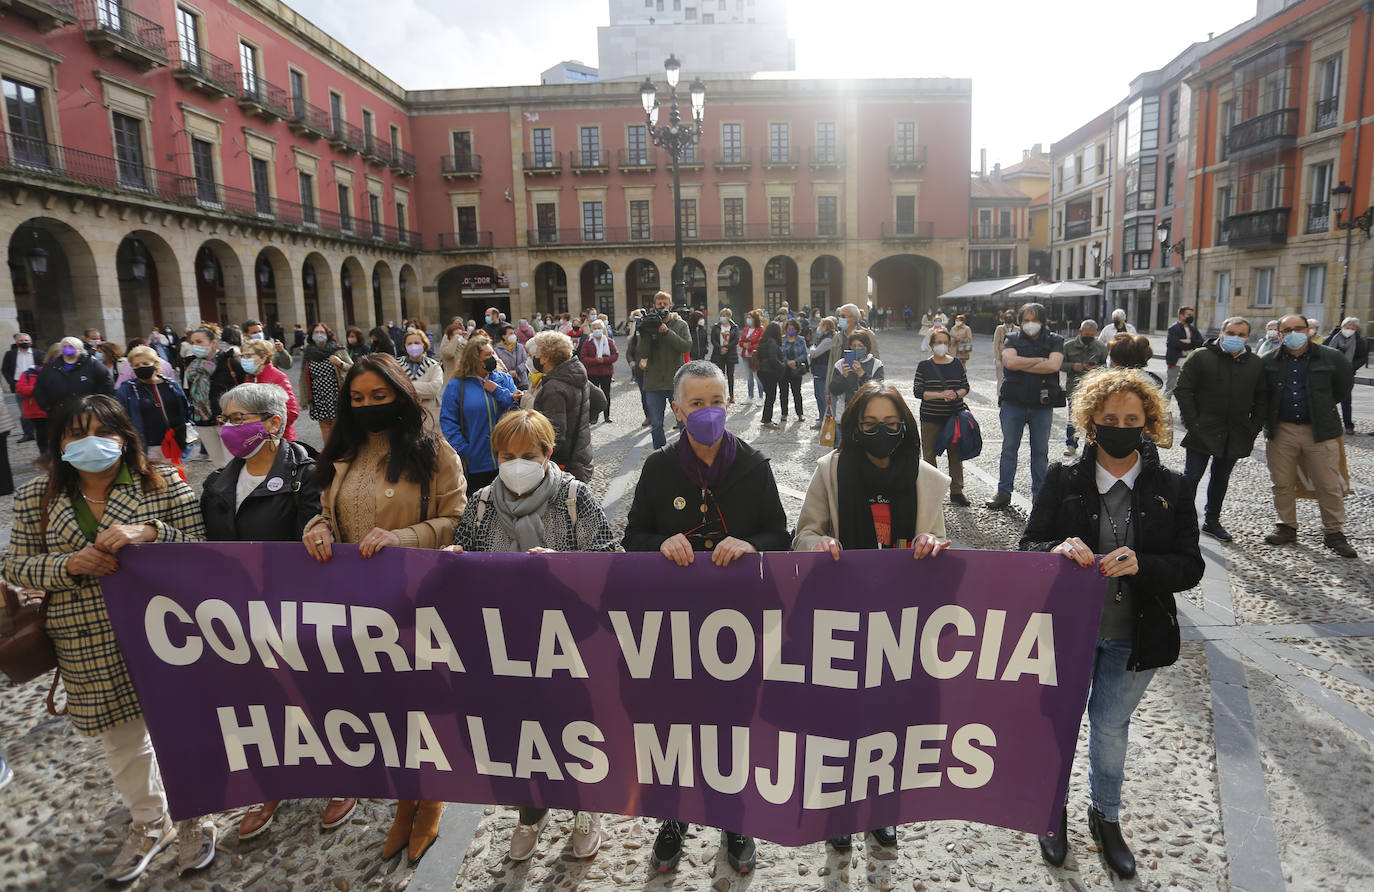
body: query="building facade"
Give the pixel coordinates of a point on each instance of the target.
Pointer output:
(999, 229)
(1031, 175)
(168, 164)
(1080, 201)
(710, 37)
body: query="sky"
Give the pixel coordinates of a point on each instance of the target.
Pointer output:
(1039, 71)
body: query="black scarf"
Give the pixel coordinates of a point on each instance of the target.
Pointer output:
(861, 482)
(317, 353)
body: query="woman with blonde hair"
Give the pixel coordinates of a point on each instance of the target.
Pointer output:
(256, 361)
(475, 398)
(564, 397)
(156, 406)
(1119, 510)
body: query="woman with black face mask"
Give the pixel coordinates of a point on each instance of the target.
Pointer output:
(1118, 512)
(874, 491)
(385, 480)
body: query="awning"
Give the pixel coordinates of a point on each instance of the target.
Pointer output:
(987, 288)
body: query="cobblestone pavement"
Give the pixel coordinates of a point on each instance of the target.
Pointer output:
(1251, 763)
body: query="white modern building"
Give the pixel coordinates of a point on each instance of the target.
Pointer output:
(709, 37)
(570, 71)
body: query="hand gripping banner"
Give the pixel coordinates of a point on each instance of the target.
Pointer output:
(789, 696)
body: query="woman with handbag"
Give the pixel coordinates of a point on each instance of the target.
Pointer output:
(941, 384)
(386, 480)
(478, 394)
(99, 495)
(771, 368)
(819, 357)
(157, 407)
(748, 349)
(326, 361)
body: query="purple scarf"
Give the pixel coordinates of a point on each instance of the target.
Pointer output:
(703, 475)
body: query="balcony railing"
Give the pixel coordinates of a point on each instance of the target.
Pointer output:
(45, 14)
(1256, 228)
(991, 233)
(31, 157)
(465, 241)
(1328, 113)
(203, 71)
(711, 232)
(637, 159)
(309, 120)
(820, 157)
(264, 99)
(1077, 228)
(347, 137)
(1272, 130)
(737, 158)
(376, 149)
(906, 156)
(782, 156)
(914, 230)
(402, 162)
(112, 28)
(543, 162)
(458, 166)
(1319, 217)
(588, 161)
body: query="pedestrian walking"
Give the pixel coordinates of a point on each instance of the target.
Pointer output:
(325, 363)
(795, 366)
(19, 358)
(598, 356)
(725, 338)
(1081, 355)
(748, 348)
(1118, 326)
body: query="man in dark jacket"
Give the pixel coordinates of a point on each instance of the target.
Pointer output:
(74, 373)
(19, 358)
(1306, 382)
(725, 347)
(1081, 355)
(1222, 398)
(1030, 392)
(1183, 338)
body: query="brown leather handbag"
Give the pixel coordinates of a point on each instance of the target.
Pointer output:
(26, 651)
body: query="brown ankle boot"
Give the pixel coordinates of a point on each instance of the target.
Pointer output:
(399, 834)
(426, 829)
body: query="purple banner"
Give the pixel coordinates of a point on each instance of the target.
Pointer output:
(788, 696)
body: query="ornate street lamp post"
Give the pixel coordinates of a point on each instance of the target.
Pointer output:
(675, 137)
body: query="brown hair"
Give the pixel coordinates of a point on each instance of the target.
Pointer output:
(470, 359)
(85, 415)
(854, 413)
(1131, 351)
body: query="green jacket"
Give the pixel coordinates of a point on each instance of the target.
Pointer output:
(1330, 379)
(1223, 400)
(664, 352)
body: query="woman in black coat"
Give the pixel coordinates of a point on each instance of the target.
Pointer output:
(771, 369)
(1119, 502)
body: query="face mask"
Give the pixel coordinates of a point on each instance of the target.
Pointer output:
(592, 317)
(93, 454)
(598, 334)
(1031, 329)
(520, 475)
(490, 320)
(882, 442)
(941, 349)
(1271, 334)
(532, 364)
(706, 425)
(791, 333)
(1087, 339)
(1118, 442)
(701, 323)
(489, 364)
(1348, 332)
(510, 339)
(1232, 343)
(255, 337)
(244, 440)
(376, 417)
(1187, 320)
(69, 351)
(415, 351)
(724, 323)
(411, 330)
(860, 353)
(200, 351)
(249, 364)
(844, 323)
(319, 337)
(145, 372)
(1295, 340)
(24, 345)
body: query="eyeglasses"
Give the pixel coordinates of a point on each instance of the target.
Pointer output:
(872, 427)
(237, 417)
(1291, 330)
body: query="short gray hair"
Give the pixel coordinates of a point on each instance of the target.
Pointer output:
(259, 399)
(697, 368)
(1350, 320)
(1118, 313)
(1087, 323)
(1237, 320)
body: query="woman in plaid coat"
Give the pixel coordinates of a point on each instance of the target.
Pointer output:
(100, 494)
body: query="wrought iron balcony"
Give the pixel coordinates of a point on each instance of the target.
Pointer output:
(308, 120)
(1272, 130)
(826, 157)
(637, 160)
(590, 161)
(909, 230)
(347, 138)
(991, 234)
(263, 99)
(402, 162)
(734, 158)
(546, 162)
(906, 157)
(116, 31)
(792, 230)
(44, 14)
(1077, 228)
(782, 158)
(1256, 229)
(376, 150)
(1319, 217)
(196, 69)
(457, 167)
(475, 240)
(1328, 113)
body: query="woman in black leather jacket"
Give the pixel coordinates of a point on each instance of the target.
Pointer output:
(1119, 502)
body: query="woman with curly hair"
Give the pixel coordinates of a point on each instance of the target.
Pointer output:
(1118, 510)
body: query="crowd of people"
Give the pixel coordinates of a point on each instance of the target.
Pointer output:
(481, 442)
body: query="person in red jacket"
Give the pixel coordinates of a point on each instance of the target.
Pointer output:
(24, 386)
(598, 354)
(256, 359)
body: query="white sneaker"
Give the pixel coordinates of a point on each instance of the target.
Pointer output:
(586, 836)
(141, 846)
(526, 838)
(195, 844)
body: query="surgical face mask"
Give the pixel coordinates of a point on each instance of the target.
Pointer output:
(319, 337)
(249, 364)
(844, 323)
(861, 353)
(1295, 340)
(490, 319)
(1348, 332)
(791, 332)
(415, 351)
(1271, 334)
(591, 317)
(510, 338)
(69, 351)
(940, 349)
(521, 476)
(598, 333)
(724, 322)
(1232, 343)
(255, 337)
(244, 440)
(1031, 329)
(93, 454)
(200, 351)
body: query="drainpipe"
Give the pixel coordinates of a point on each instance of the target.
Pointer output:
(1202, 195)
(1368, 9)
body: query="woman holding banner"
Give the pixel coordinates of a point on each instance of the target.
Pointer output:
(385, 479)
(874, 491)
(1119, 510)
(100, 494)
(535, 507)
(740, 513)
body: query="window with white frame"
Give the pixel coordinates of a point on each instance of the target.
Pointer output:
(1264, 287)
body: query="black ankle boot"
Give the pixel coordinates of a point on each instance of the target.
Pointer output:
(841, 843)
(1116, 854)
(1054, 849)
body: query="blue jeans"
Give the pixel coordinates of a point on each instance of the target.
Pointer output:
(821, 394)
(26, 424)
(753, 378)
(1113, 697)
(1195, 464)
(1014, 418)
(1070, 439)
(657, 402)
(643, 402)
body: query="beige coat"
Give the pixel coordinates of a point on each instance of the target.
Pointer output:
(821, 510)
(398, 504)
(429, 387)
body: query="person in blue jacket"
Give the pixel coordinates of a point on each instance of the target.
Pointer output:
(474, 400)
(155, 404)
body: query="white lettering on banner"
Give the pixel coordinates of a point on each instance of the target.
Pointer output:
(873, 757)
(324, 617)
(390, 758)
(481, 755)
(535, 754)
(716, 622)
(237, 738)
(334, 721)
(422, 744)
(962, 621)
(267, 637)
(1038, 635)
(739, 760)
(913, 778)
(826, 649)
(301, 740)
(558, 648)
(897, 650)
(638, 653)
(155, 627)
(660, 765)
(593, 766)
(778, 789)
(993, 625)
(233, 650)
(496, 647)
(774, 669)
(369, 646)
(979, 762)
(818, 773)
(432, 643)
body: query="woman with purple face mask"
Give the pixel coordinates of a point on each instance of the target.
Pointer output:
(426, 373)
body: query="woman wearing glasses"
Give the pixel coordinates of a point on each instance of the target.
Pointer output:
(873, 491)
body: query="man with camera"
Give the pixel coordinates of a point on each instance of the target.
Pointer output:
(663, 339)
(1031, 359)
